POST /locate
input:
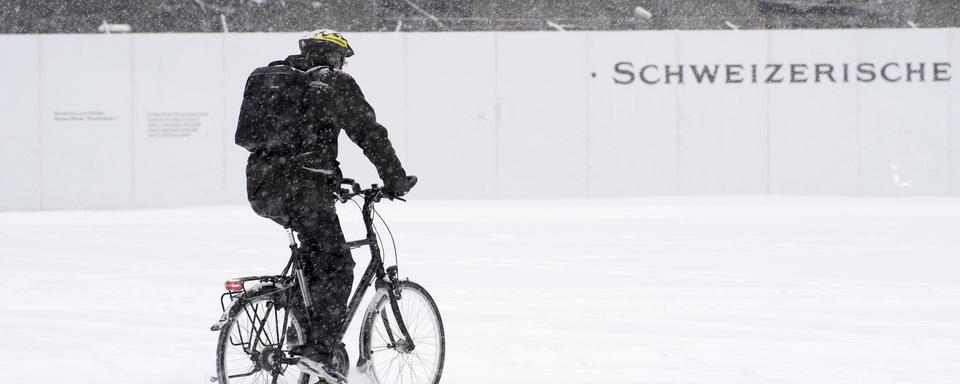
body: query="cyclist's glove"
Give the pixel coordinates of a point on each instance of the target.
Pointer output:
(399, 186)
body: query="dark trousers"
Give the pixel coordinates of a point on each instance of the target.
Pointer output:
(327, 266)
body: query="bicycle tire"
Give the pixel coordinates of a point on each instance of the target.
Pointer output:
(425, 328)
(242, 318)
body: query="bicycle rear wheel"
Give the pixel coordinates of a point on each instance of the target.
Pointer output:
(387, 359)
(254, 344)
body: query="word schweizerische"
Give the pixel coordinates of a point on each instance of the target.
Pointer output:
(626, 72)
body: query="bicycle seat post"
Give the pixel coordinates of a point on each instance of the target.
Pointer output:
(293, 239)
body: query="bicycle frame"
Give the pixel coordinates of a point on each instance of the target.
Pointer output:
(276, 291)
(374, 274)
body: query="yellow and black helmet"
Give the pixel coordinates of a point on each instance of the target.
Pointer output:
(325, 40)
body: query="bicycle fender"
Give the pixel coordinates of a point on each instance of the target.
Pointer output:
(372, 306)
(369, 314)
(225, 317)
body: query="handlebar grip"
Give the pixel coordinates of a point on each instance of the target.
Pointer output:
(354, 185)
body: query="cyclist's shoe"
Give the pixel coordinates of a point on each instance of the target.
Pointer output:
(311, 362)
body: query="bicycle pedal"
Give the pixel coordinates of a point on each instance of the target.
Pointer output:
(321, 374)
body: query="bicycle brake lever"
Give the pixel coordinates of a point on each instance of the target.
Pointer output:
(342, 196)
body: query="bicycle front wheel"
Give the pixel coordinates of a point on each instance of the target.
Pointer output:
(388, 358)
(254, 345)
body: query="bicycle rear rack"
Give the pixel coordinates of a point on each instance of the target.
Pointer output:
(233, 295)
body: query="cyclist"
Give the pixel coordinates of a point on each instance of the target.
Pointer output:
(292, 180)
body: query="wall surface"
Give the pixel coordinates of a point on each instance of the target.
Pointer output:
(131, 121)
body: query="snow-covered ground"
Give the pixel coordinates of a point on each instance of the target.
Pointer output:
(650, 290)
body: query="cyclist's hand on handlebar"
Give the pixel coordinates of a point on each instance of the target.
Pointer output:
(400, 187)
(350, 188)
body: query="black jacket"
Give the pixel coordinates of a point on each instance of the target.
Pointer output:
(289, 178)
(335, 103)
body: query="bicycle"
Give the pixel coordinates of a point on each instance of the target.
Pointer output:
(401, 336)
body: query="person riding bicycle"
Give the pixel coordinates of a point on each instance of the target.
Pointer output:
(292, 114)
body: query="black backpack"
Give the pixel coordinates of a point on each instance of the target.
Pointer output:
(271, 126)
(273, 112)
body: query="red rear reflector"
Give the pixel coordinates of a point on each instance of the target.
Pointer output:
(234, 285)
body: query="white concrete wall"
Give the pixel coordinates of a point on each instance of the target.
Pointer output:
(86, 121)
(186, 165)
(815, 148)
(20, 133)
(121, 121)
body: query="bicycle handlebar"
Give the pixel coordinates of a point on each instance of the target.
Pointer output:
(375, 192)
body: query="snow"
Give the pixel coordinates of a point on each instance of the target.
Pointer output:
(646, 290)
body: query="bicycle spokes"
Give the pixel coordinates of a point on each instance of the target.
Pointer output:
(396, 359)
(259, 346)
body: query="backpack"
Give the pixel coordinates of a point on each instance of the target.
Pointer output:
(271, 126)
(274, 109)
